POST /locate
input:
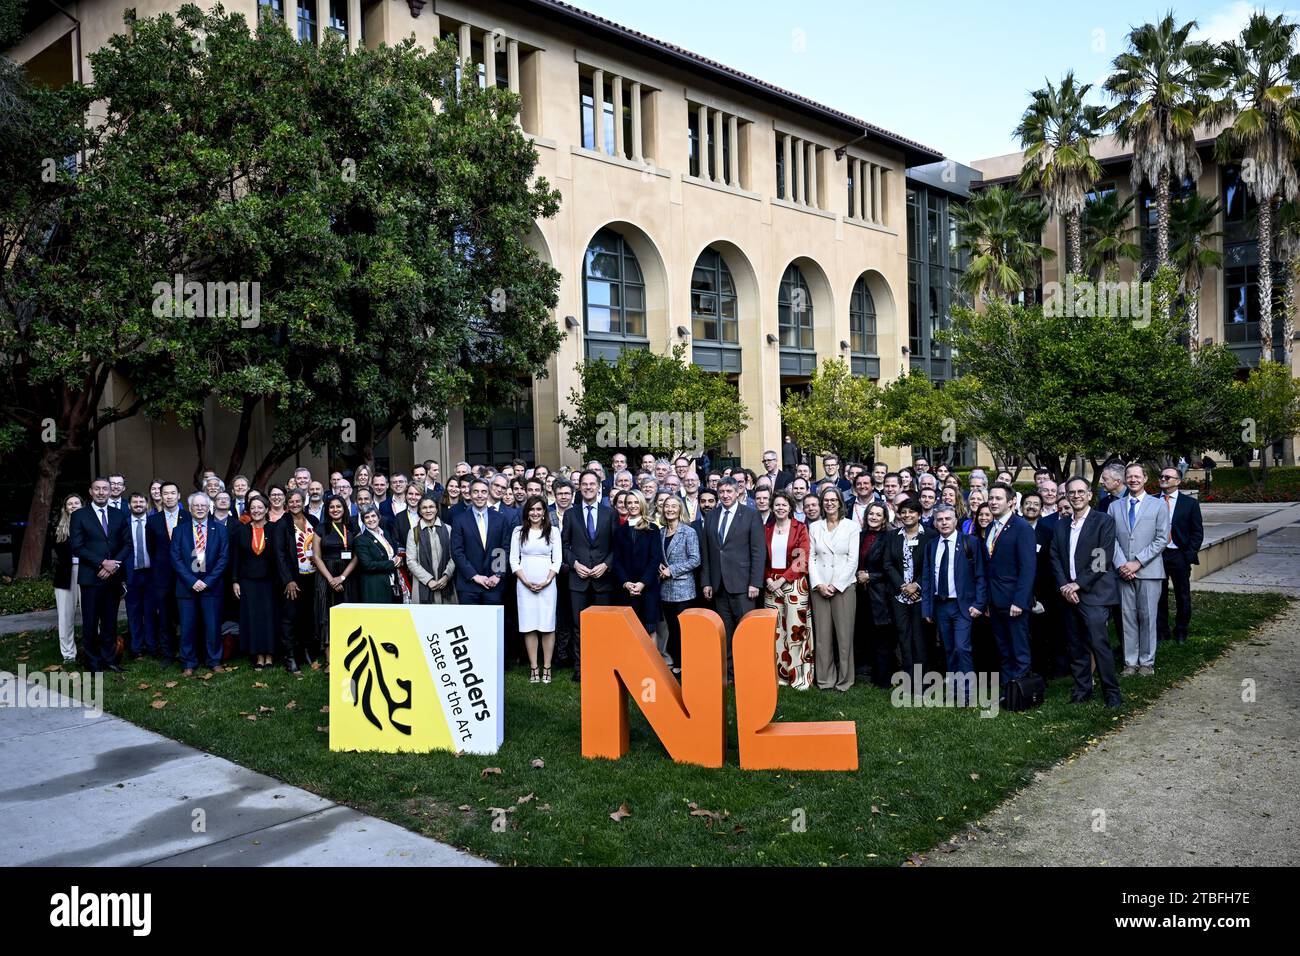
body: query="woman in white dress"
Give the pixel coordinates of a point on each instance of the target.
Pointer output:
(535, 557)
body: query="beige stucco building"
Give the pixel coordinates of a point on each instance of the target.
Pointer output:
(704, 206)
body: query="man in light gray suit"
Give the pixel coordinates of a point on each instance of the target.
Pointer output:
(1141, 533)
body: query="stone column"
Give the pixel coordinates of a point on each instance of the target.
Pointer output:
(291, 17)
(598, 108)
(354, 25)
(720, 173)
(466, 47)
(884, 196)
(490, 59)
(637, 156)
(875, 193)
(702, 121)
(733, 167)
(322, 20)
(812, 174)
(617, 95)
(512, 65)
(797, 170)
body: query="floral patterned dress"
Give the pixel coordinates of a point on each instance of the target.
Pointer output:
(794, 636)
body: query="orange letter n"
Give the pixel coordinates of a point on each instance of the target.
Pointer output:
(618, 656)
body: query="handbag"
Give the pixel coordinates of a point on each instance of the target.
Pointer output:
(1025, 693)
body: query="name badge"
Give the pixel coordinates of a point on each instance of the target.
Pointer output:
(345, 555)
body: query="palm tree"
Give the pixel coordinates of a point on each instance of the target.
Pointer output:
(1057, 133)
(1192, 242)
(1001, 230)
(1265, 134)
(1107, 230)
(1288, 249)
(1162, 85)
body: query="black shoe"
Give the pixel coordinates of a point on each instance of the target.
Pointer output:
(114, 667)
(291, 666)
(1114, 702)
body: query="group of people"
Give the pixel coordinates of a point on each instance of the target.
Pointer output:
(868, 569)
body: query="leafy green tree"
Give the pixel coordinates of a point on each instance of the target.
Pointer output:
(1001, 231)
(1163, 85)
(1270, 411)
(840, 413)
(380, 209)
(914, 411)
(1264, 133)
(648, 402)
(1057, 133)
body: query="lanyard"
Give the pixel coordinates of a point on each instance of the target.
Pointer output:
(341, 532)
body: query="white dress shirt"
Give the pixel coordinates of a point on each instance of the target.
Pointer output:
(952, 563)
(1076, 526)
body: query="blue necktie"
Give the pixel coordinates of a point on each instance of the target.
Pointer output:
(1132, 512)
(141, 553)
(722, 532)
(591, 524)
(103, 519)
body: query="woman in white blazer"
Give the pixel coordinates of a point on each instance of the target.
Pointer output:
(832, 572)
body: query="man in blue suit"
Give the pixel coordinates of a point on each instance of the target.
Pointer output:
(141, 607)
(158, 531)
(199, 555)
(954, 593)
(480, 546)
(1011, 567)
(99, 538)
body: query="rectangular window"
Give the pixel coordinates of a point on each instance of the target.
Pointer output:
(307, 23)
(339, 17)
(853, 206)
(914, 228)
(588, 113)
(780, 168)
(914, 308)
(693, 141)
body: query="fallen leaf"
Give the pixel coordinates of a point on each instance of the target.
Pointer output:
(974, 776)
(322, 730)
(315, 665)
(537, 763)
(544, 807)
(258, 683)
(291, 705)
(325, 709)
(623, 811)
(875, 809)
(142, 686)
(170, 684)
(252, 717)
(52, 667)
(263, 709)
(525, 798)
(158, 704)
(738, 829)
(489, 770)
(207, 676)
(157, 693)
(464, 806)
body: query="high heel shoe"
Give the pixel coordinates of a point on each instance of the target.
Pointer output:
(546, 675)
(533, 678)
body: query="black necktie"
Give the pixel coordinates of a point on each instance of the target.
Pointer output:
(943, 571)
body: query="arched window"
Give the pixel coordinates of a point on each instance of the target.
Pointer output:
(862, 320)
(715, 315)
(613, 294)
(794, 309)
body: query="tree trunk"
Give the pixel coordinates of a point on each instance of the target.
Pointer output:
(1266, 279)
(240, 449)
(1162, 219)
(38, 512)
(1193, 319)
(276, 457)
(200, 431)
(1288, 334)
(1074, 239)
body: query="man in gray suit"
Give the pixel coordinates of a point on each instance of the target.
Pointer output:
(733, 553)
(1082, 557)
(1141, 533)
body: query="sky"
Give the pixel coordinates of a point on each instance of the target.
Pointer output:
(951, 75)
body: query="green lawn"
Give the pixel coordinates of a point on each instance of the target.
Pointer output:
(924, 773)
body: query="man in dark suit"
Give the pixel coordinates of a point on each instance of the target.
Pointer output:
(1047, 644)
(1011, 566)
(1186, 533)
(587, 538)
(954, 593)
(480, 546)
(159, 528)
(200, 554)
(774, 473)
(1084, 568)
(733, 554)
(99, 537)
(617, 463)
(141, 600)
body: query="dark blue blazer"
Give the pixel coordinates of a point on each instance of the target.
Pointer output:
(968, 575)
(160, 546)
(216, 556)
(459, 508)
(88, 543)
(472, 558)
(1045, 580)
(1012, 567)
(386, 510)
(1186, 529)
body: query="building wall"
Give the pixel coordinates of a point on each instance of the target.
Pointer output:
(667, 216)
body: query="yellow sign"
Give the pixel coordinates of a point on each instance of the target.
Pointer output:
(416, 678)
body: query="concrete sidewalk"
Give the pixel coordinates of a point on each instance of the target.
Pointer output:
(83, 790)
(1202, 778)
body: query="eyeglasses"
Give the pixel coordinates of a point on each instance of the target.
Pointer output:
(1168, 477)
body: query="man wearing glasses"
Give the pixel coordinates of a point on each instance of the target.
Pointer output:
(778, 478)
(1186, 532)
(1083, 564)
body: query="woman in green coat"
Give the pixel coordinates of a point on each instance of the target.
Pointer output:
(377, 560)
